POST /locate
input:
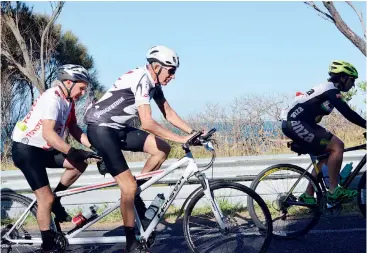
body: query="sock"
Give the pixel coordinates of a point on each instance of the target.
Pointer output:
(60, 187)
(131, 242)
(47, 240)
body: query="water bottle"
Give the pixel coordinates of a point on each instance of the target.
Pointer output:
(154, 206)
(81, 218)
(344, 173)
(325, 174)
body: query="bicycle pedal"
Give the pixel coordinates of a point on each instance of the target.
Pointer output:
(333, 209)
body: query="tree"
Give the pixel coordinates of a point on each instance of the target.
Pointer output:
(331, 14)
(33, 48)
(363, 87)
(19, 82)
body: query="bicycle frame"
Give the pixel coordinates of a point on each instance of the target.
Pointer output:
(320, 179)
(350, 178)
(155, 176)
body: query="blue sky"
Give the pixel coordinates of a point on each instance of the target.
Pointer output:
(226, 49)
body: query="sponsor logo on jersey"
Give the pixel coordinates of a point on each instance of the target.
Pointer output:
(303, 133)
(297, 112)
(109, 108)
(25, 140)
(36, 128)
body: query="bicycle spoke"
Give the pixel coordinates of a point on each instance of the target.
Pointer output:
(239, 232)
(277, 187)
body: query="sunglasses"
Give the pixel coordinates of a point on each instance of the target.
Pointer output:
(171, 71)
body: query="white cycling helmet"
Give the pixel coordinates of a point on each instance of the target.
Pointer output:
(164, 56)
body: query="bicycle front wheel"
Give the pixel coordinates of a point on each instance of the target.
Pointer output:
(280, 186)
(362, 194)
(202, 232)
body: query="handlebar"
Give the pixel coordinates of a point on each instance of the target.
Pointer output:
(199, 139)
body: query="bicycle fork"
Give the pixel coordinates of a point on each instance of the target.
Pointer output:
(213, 203)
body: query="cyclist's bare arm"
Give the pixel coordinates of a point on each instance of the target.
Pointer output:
(52, 138)
(172, 117)
(152, 126)
(79, 135)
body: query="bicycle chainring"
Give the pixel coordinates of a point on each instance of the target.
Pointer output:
(61, 242)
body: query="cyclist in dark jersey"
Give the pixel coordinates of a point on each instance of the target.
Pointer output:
(300, 124)
(110, 128)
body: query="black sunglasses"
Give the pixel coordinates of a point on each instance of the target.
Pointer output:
(171, 71)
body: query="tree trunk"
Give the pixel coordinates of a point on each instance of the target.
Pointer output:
(344, 28)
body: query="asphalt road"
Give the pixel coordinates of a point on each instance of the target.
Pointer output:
(344, 234)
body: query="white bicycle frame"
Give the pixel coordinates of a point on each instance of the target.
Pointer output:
(155, 176)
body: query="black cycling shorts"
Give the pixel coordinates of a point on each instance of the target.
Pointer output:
(312, 137)
(33, 161)
(109, 142)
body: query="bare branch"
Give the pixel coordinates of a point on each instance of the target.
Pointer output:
(11, 59)
(324, 15)
(28, 70)
(19, 66)
(54, 16)
(344, 28)
(360, 16)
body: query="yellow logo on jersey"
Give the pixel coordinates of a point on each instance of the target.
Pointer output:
(21, 125)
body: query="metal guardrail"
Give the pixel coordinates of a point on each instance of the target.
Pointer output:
(239, 169)
(244, 168)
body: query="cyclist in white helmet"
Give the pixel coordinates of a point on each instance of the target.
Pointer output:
(110, 130)
(38, 144)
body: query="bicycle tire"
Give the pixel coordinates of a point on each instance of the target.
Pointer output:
(228, 185)
(315, 211)
(362, 194)
(17, 200)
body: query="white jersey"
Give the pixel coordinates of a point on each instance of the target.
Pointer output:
(53, 105)
(119, 105)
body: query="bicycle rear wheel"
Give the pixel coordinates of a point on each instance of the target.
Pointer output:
(291, 218)
(362, 194)
(203, 234)
(13, 206)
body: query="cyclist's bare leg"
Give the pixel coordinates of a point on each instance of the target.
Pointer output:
(310, 191)
(335, 147)
(72, 172)
(45, 199)
(159, 150)
(127, 184)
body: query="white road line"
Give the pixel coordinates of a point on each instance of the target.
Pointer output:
(346, 230)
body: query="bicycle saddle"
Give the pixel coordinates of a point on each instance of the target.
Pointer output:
(296, 148)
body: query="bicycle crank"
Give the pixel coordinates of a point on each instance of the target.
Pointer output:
(330, 209)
